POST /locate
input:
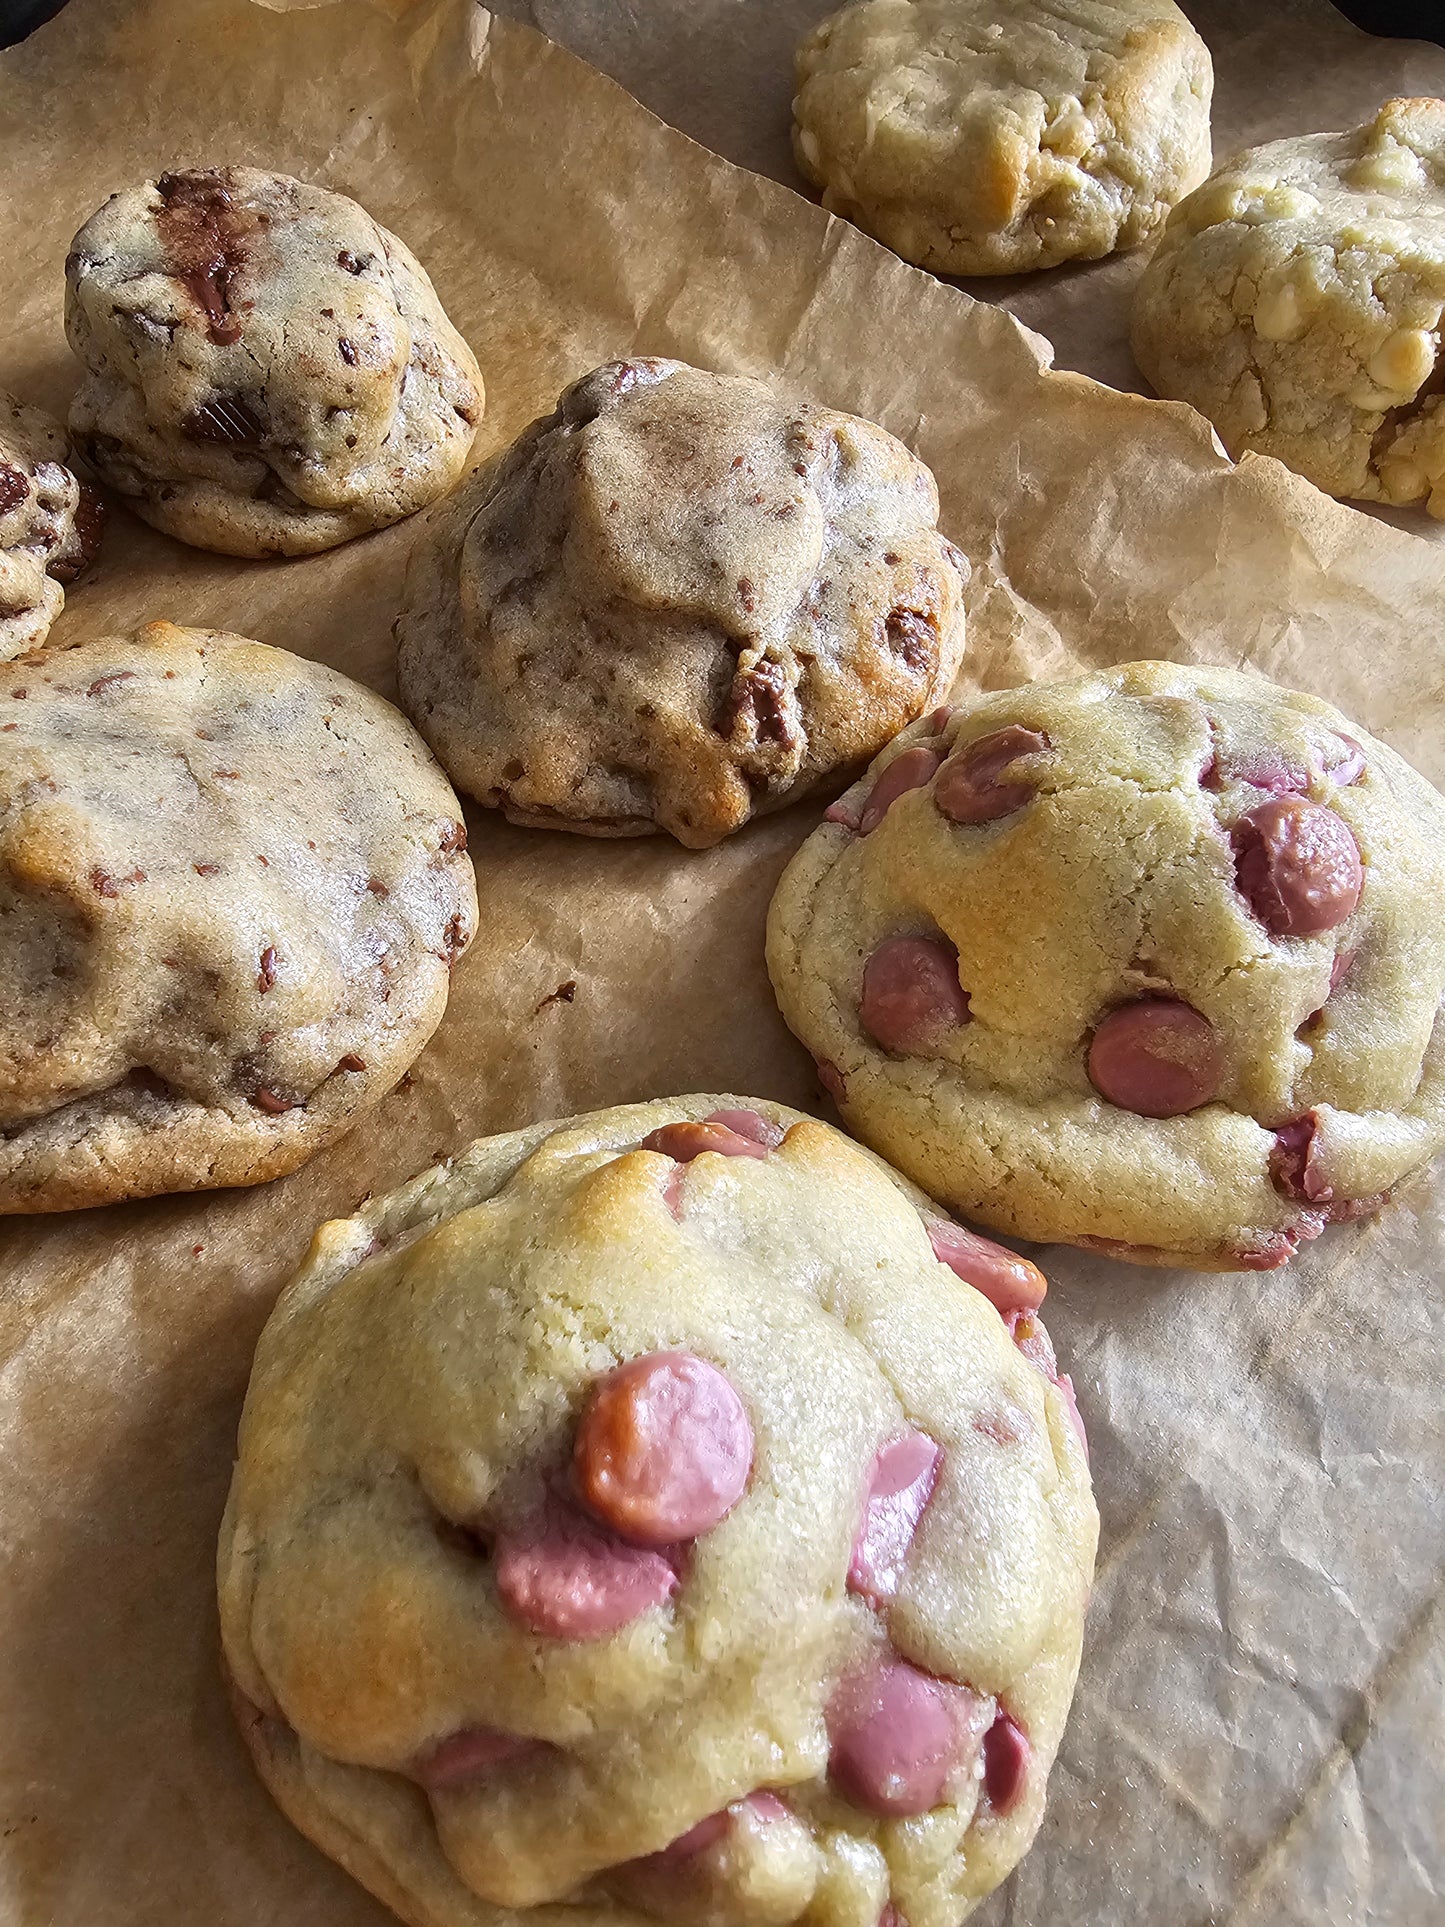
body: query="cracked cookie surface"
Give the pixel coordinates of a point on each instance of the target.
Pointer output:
(232, 889)
(267, 370)
(637, 1518)
(979, 138)
(1296, 300)
(1150, 960)
(50, 525)
(678, 601)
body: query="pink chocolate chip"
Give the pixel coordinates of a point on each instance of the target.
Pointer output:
(1297, 866)
(911, 993)
(968, 789)
(900, 1486)
(1157, 1058)
(1009, 1283)
(1028, 1333)
(687, 1140)
(749, 1124)
(1292, 1162)
(1006, 1755)
(475, 1753)
(908, 771)
(1071, 1406)
(563, 1578)
(1263, 769)
(1351, 765)
(832, 1080)
(890, 1917)
(656, 1881)
(664, 1449)
(841, 812)
(895, 1737)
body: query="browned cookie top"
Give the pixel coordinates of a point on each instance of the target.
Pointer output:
(268, 371)
(678, 601)
(232, 889)
(49, 525)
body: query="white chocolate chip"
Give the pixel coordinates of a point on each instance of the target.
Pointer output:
(1392, 168)
(1402, 363)
(1279, 314)
(808, 141)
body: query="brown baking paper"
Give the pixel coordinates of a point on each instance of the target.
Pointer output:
(1257, 1732)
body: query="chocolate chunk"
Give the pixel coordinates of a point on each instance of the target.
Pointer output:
(912, 634)
(206, 237)
(225, 418)
(758, 702)
(14, 487)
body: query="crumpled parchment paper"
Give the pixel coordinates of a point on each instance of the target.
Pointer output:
(1257, 1734)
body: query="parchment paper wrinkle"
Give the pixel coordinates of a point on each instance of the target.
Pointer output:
(1256, 1739)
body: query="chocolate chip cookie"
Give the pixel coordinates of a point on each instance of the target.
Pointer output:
(49, 525)
(1296, 300)
(677, 602)
(664, 1515)
(1150, 961)
(232, 890)
(267, 370)
(993, 136)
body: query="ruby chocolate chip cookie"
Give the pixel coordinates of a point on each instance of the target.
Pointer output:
(49, 525)
(233, 885)
(1149, 961)
(267, 371)
(664, 1514)
(678, 601)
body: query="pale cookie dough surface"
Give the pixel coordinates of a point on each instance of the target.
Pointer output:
(678, 601)
(429, 1387)
(1296, 300)
(1124, 867)
(975, 137)
(232, 889)
(49, 525)
(267, 370)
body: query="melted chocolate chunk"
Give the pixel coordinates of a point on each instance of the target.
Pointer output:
(14, 487)
(912, 635)
(761, 695)
(206, 236)
(89, 522)
(225, 418)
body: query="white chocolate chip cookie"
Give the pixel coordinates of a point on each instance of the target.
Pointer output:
(677, 602)
(993, 136)
(267, 371)
(232, 890)
(49, 525)
(1151, 960)
(1296, 300)
(659, 1515)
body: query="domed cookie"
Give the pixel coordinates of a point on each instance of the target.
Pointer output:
(677, 602)
(1150, 960)
(232, 889)
(992, 136)
(1296, 301)
(49, 525)
(641, 1517)
(267, 371)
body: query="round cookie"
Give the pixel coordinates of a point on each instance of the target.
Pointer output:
(676, 602)
(994, 136)
(49, 525)
(267, 371)
(634, 1518)
(1296, 301)
(1150, 961)
(232, 889)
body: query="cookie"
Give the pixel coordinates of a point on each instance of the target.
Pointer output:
(678, 601)
(1149, 961)
(662, 1514)
(49, 525)
(267, 370)
(232, 889)
(1296, 300)
(994, 136)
